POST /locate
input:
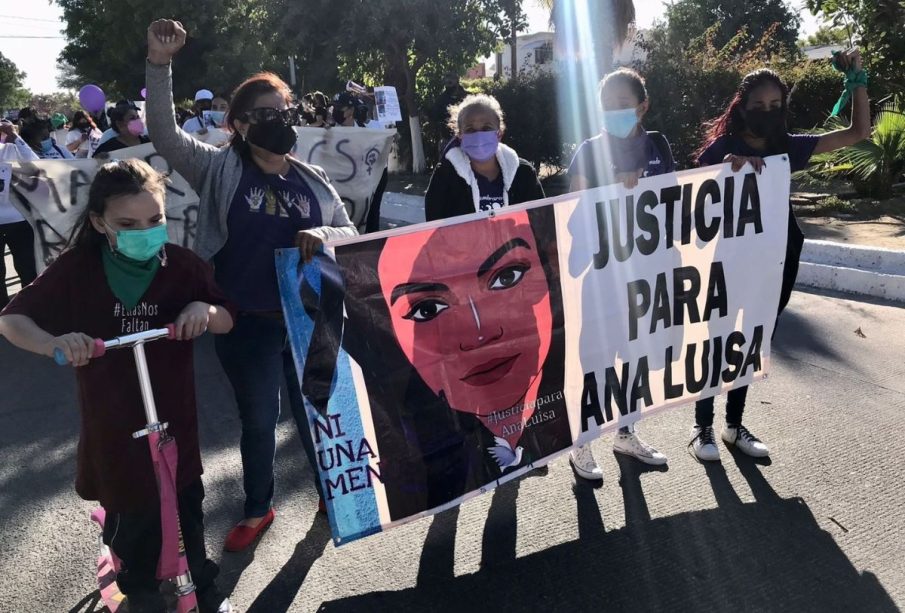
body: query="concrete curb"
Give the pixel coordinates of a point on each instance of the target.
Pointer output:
(853, 269)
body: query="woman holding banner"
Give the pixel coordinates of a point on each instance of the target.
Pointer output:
(623, 152)
(753, 127)
(255, 198)
(478, 172)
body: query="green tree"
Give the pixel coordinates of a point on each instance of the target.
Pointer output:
(13, 94)
(57, 102)
(393, 41)
(829, 35)
(689, 19)
(877, 26)
(106, 43)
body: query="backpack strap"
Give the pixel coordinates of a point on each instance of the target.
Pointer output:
(662, 146)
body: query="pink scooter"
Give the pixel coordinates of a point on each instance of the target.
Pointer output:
(173, 563)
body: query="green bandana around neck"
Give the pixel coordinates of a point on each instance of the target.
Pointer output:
(128, 279)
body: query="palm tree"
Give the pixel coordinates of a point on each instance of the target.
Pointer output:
(587, 32)
(512, 10)
(610, 18)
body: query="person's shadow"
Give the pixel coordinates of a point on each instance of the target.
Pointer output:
(770, 554)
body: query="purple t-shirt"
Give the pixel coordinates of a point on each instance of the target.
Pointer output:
(491, 192)
(598, 159)
(801, 148)
(266, 214)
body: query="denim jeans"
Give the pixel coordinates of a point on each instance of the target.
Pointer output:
(256, 357)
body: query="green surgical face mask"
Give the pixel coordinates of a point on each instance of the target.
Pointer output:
(141, 245)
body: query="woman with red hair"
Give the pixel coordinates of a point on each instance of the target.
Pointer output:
(255, 198)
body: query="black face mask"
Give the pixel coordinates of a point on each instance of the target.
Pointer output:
(765, 123)
(274, 136)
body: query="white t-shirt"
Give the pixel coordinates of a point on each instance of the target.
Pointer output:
(192, 125)
(17, 151)
(87, 146)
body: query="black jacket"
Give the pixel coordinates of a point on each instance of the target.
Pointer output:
(450, 193)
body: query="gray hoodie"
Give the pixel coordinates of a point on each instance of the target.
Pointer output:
(215, 172)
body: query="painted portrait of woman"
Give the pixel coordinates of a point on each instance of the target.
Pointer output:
(458, 332)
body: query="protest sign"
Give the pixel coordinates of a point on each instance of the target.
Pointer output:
(353, 158)
(441, 360)
(52, 194)
(387, 101)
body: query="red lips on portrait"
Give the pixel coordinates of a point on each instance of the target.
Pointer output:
(491, 371)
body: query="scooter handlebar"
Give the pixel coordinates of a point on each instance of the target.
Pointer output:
(100, 346)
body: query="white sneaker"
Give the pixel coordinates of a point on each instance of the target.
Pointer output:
(629, 443)
(703, 444)
(582, 460)
(745, 442)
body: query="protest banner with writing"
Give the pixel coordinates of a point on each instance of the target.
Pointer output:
(52, 194)
(353, 158)
(441, 360)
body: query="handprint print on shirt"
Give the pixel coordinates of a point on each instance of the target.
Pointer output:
(298, 202)
(255, 199)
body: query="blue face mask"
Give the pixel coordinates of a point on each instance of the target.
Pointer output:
(47, 145)
(216, 117)
(620, 123)
(141, 245)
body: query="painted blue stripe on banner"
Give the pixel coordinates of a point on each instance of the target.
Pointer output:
(352, 514)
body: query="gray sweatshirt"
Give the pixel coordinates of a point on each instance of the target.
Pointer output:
(215, 172)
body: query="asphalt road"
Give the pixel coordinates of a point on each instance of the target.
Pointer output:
(818, 529)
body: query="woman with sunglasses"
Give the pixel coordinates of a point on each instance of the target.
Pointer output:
(255, 197)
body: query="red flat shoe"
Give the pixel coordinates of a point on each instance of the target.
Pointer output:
(321, 507)
(240, 537)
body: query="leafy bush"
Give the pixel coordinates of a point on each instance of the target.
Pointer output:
(532, 121)
(815, 88)
(688, 88)
(876, 164)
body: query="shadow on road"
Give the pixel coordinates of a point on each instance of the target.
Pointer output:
(283, 588)
(763, 555)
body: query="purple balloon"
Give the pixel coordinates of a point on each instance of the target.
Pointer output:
(144, 92)
(92, 98)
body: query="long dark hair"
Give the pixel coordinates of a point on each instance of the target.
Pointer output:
(243, 101)
(731, 122)
(118, 113)
(80, 115)
(121, 178)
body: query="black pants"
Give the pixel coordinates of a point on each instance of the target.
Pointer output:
(735, 399)
(372, 224)
(21, 241)
(135, 538)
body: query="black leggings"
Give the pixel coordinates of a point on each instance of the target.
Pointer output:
(135, 538)
(21, 241)
(735, 399)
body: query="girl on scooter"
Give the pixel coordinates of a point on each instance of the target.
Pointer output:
(118, 277)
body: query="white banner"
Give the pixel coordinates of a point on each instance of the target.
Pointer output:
(52, 194)
(441, 360)
(353, 158)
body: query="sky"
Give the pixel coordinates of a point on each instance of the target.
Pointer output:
(37, 57)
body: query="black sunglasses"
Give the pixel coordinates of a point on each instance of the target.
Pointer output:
(267, 114)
